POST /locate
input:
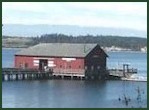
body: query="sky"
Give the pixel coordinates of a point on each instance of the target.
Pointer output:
(131, 15)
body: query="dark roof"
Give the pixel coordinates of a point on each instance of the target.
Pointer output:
(58, 49)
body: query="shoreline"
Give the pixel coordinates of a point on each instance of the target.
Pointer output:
(17, 48)
(129, 51)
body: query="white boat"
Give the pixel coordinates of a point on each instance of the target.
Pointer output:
(135, 78)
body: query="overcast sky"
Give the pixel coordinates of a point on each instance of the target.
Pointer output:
(131, 15)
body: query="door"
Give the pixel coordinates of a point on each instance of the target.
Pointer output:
(42, 64)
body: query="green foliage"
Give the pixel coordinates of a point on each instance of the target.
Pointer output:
(133, 43)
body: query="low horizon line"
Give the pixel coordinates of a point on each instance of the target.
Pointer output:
(79, 35)
(82, 26)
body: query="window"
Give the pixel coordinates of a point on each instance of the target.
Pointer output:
(79, 66)
(26, 65)
(95, 56)
(98, 67)
(60, 66)
(69, 66)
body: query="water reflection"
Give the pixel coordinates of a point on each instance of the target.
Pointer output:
(69, 93)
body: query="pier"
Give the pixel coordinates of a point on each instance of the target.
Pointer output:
(69, 75)
(126, 72)
(10, 74)
(119, 73)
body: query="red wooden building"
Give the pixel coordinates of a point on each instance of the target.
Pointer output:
(64, 58)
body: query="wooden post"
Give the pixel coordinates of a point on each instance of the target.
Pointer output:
(99, 77)
(40, 76)
(92, 77)
(17, 77)
(13, 77)
(23, 77)
(86, 77)
(3, 78)
(8, 77)
(124, 70)
(32, 75)
(47, 76)
(20, 75)
(36, 76)
(44, 76)
(71, 77)
(62, 77)
(127, 68)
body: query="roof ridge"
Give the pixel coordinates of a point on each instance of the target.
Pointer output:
(54, 49)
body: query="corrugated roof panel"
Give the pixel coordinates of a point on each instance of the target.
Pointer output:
(58, 49)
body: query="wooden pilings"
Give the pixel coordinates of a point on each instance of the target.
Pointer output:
(68, 76)
(25, 76)
(10, 74)
(36, 76)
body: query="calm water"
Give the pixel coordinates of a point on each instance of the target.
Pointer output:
(76, 93)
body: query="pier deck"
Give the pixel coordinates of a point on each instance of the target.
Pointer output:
(21, 74)
(121, 73)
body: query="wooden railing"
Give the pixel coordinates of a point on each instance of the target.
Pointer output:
(20, 71)
(76, 71)
(121, 72)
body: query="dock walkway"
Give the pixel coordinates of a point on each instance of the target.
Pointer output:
(24, 74)
(121, 73)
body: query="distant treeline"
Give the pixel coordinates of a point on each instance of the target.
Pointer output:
(133, 43)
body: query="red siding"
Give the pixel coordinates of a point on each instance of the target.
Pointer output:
(76, 64)
(61, 65)
(21, 60)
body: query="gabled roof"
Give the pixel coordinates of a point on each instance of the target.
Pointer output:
(58, 50)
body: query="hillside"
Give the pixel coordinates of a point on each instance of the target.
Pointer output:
(40, 29)
(16, 42)
(133, 43)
